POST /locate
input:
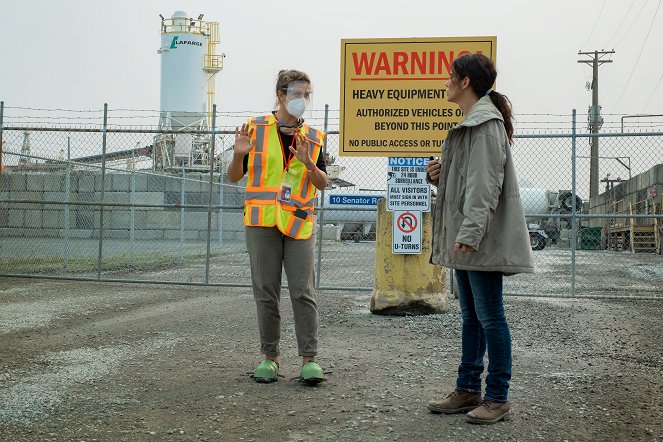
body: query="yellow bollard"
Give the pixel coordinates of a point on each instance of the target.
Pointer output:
(406, 284)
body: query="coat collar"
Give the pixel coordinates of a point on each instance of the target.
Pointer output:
(482, 111)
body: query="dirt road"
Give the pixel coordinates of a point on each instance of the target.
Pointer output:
(119, 362)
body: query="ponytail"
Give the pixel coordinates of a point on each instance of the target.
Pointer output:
(503, 104)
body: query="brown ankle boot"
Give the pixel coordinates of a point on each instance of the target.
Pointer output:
(456, 402)
(489, 413)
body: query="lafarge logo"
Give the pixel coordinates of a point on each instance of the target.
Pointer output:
(175, 42)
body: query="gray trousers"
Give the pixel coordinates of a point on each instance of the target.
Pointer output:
(270, 251)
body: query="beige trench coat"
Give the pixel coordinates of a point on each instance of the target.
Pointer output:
(478, 202)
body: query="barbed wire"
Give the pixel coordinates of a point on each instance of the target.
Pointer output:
(226, 121)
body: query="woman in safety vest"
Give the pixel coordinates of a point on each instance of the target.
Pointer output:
(285, 166)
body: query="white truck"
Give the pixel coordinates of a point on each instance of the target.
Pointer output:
(539, 203)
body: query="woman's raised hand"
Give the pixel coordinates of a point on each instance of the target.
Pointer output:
(243, 140)
(301, 150)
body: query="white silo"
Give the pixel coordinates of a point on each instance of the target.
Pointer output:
(188, 66)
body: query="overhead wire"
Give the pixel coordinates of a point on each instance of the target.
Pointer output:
(620, 24)
(635, 65)
(595, 24)
(632, 23)
(653, 92)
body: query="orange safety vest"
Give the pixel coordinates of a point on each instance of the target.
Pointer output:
(266, 171)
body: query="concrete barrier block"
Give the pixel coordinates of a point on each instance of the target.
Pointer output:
(33, 219)
(406, 284)
(148, 234)
(202, 235)
(121, 182)
(85, 183)
(85, 219)
(119, 219)
(116, 234)
(171, 219)
(16, 218)
(140, 181)
(73, 183)
(8, 232)
(17, 181)
(173, 184)
(197, 221)
(53, 183)
(658, 174)
(155, 183)
(47, 233)
(331, 232)
(30, 196)
(83, 233)
(17, 232)
(35, 182)
(54, 196)
(117, 197)
(54, 219)
(149, 198)
(194, 183)
(4, 182)
(174, 234)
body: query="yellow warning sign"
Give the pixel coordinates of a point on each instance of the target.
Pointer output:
(393, 93)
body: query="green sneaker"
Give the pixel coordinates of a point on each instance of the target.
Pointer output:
(311, 373)
(267, 371)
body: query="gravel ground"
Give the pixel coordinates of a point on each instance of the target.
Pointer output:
(84, 361)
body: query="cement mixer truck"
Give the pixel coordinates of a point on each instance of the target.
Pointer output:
(539, 204)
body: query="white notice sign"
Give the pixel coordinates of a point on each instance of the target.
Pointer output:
(406, 184)
(406, 232)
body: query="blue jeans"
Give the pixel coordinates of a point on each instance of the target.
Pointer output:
(484, 325)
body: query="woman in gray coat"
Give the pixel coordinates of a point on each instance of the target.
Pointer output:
(479, 230)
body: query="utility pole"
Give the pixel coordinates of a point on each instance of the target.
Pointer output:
(595, 119)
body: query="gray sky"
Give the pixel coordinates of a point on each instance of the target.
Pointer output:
(78, 54)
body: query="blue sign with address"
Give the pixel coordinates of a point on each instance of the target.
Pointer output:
(355, 200)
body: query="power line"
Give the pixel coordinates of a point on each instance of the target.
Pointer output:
(639, 55)
(620, 25)
(596, 23)
(632, 23)
(653, 92)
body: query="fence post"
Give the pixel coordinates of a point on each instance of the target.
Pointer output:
(574, 227)
(321, 210)
(103, 188)
(132, 212)
(67, 197)
(220, 215)
(211, 194)
(182, 202)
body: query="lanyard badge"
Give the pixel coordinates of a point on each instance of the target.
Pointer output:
(287, 183)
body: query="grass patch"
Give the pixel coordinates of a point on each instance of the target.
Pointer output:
(122, 263)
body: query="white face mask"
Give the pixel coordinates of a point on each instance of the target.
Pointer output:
(296, 107)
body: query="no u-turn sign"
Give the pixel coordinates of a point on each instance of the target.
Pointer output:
(406, 233)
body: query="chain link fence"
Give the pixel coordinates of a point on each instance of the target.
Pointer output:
(114, 203)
